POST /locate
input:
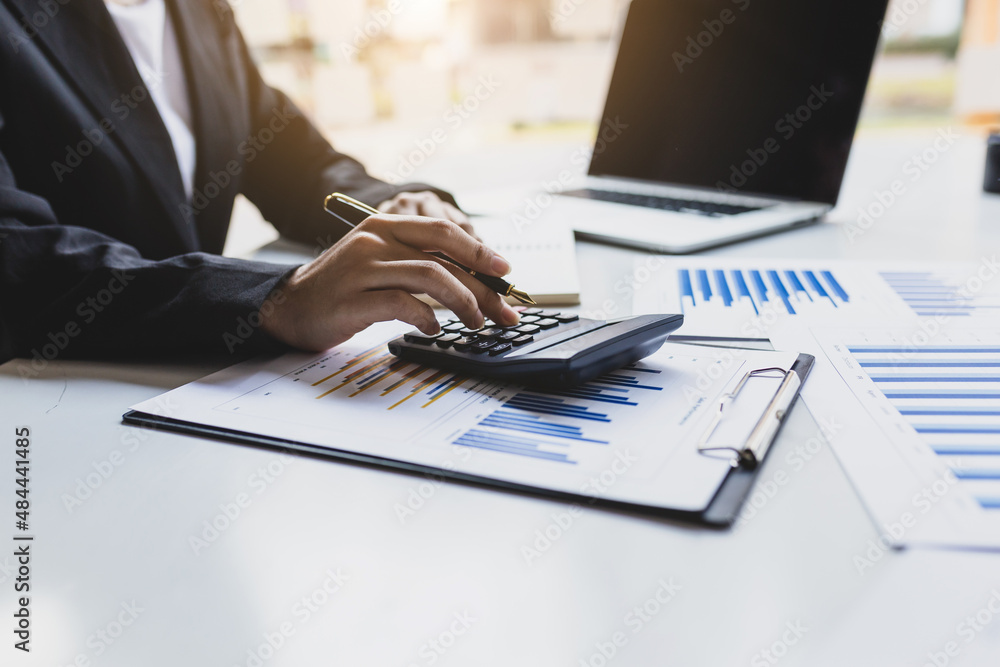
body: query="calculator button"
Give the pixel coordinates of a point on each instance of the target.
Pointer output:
(488, 333)
(567, 317)
(469, 332)
(521, 340)
(417, 337)
(548, 313)
(464, 343)
(499, 348)
(528, 328)
(547, 324)
(452, 327)
(531, 311)
(447, 339)
(482, 345)
(509, 335)
(528, 319)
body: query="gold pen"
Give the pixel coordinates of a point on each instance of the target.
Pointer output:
(352, 212)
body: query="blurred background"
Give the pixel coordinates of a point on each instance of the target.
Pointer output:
(405, 84)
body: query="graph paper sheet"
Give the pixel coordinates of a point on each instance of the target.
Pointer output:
(628, 436)
(753, 299)
(917, 415)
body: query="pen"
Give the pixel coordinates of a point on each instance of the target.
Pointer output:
(352, 212)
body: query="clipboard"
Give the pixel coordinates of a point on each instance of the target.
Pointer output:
(745, 457)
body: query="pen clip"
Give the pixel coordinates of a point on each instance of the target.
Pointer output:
(752, 452)
(339, 205)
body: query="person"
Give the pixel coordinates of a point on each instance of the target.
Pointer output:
(126, 132)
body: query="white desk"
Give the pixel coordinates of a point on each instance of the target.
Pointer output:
(409, 584)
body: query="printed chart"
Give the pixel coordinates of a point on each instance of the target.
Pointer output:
(936, 400)
(636, 429)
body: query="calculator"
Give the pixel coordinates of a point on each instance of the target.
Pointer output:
(547, 347)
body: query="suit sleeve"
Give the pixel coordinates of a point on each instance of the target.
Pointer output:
(71, 292)
(289, 179)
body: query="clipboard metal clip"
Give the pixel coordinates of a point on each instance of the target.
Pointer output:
(752, 452)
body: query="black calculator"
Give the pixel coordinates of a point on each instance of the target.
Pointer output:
(548, 347)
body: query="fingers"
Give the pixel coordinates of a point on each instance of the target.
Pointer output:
(386, 305)
(489, 302)
(442, 235)
(423, 275)
(427, 204)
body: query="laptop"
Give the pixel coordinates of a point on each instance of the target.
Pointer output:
(725, 120)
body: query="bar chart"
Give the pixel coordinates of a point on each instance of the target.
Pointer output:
(370, 368)
(565, 425)
(950, 395)
(919, 415)
(792, 291)
(563, 416)
(951, 293)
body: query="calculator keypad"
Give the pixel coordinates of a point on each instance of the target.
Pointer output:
(493, 338)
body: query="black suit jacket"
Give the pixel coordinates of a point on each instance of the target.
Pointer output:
(101, 253)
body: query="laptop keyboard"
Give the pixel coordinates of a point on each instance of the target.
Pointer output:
(706, 208)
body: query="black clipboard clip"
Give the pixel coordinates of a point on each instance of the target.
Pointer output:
(752, 452)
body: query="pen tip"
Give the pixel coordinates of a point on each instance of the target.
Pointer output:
(521, 296)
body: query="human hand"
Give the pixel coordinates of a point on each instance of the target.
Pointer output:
(370, 276)
(428, 204)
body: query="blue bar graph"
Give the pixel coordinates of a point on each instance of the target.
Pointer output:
(706, 288)
(720, 279)
(796, 284)
(782, 292)
(814, 281)
(686, 289)
(890, 363)
(929, 295)
(925, 349)
(951, 407)
(951, 412)
(966, 450)
(738, 288)
(744, 290)
(510, 445)
(563, 417)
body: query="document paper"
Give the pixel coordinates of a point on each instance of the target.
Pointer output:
(630, 435)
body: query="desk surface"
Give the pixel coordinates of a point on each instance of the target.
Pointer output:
(318, 568)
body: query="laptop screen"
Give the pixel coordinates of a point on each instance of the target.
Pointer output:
(754, 96)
